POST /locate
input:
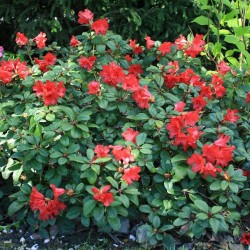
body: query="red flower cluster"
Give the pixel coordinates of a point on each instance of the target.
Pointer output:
(48, 208)
(50, 91)
(21, 39)
(131, 174)
(213, 158)
(223, 68)
(231, 116)
(245, 238)
(94, 88)
(102, 195)
(40, 40)
(122, 154)
(100, 26)
(10, 69)
(74, 42)
(142, 97)
(182, 128)
(193, 48)
(136, 48)
(130, 135)
(165, 48)
(101, 151)
(87, 62)
(48, 60)
(84, 17)
(149, 42)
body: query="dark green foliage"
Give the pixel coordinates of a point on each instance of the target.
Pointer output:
(162, 19)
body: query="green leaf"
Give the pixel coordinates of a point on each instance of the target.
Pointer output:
(90, 154)
(216, 185)
(68, 111)
(156, 221)
(102, 160)
(214, 223)
(178, 158)
(203, 20)
(98, 213)
(77, 158)
(73, 212)
(84, 116)
(202, 205)
(114, 222)
(216, 209)
(91, 176)
(125, 200)
(153, 69)
(111, 45)
(172, 97)
(234, 187)
(14, 207)
(83, 127)
(138, 117)
(88, 207)
(141, 138)
(201, 216)
(145, 209)
(112, 181)
(50, 117)
(101, 48)
(180, 222)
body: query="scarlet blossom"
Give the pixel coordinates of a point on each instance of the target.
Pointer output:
(231, 115)
(223, 67)
(128, 58)
(47, 208)
(40, 40)
(102, 195)
(112, 74)
(5, 76)
(245, 238)
(190, 118)
(196, 47)
(206, 91)
(50, 91)
(174, 67)
(180, 42)
(100, 26)
(74, 42)
(174, 126)
(21, 39)
(94, 88)
(171, 80)
(219, 153)
(186, 76)
(179, 106)
(130, 82)
(122, 154)
(87, 62)
(149, 42)
(248, 98)
(84, 17)
(200, 165)
(48, 60)
(142, 97)
(199, 103)
(131, 174)
(101, 151)
(135, 69)
(165, 48)
(130, 135)
(136, 48)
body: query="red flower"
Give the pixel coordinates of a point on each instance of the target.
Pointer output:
(196, 47)
(131, 174)
(122, 154)
(50, 91)
(174, 67)
(102, 195)
(130, 82)
(170, 80)
(174, 126)
(223, 67)
(190, 118)
(84, 17)
(179, 106)
(94, 88)
(136, 48)
(48, 60)
(180, 42)
(86, 62)
(5, 76)
(101, 151)
(130, 135)
(74, 42)
(135, 69)
(149, 42)
(21, 39)
(112, 74)
(142, 97)
(165, 48)
(40, 40)
(245, 238)
(48, 208)
(199, 103)
(231, 115)
(128, 58)
(100, 26)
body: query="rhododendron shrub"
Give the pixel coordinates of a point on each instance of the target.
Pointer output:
(120, 129)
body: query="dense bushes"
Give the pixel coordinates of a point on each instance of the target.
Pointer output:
(107, 129)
